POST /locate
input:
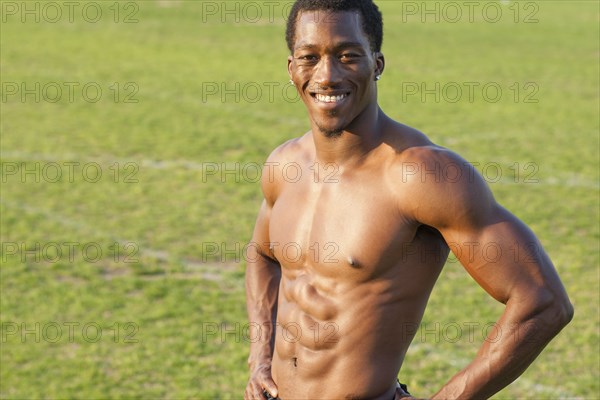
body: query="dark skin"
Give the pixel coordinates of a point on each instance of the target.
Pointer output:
(346, 253)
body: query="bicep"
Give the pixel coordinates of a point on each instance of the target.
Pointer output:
(260, 242)
(503, 255)
(260, 237)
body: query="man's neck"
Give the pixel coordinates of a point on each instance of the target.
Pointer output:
(364, 134)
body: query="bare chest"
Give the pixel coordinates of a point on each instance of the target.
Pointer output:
(350, 225)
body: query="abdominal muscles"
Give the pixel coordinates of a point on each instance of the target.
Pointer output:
(324, 350)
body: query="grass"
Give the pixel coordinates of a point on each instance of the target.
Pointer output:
(176, 303)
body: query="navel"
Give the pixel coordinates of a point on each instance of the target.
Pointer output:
(352, 262)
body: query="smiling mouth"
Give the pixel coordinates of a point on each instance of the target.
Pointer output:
(323, 98)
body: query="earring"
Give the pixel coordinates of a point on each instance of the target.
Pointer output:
(292, 82)
(377, 77)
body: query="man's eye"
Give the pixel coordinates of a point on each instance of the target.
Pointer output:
(307, 57)
(349, 57)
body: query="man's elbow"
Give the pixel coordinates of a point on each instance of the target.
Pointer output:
(559, 312)
(549, 311)
(566, 312)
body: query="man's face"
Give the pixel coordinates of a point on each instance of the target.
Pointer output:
(333, 68)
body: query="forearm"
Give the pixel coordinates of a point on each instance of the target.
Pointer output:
(511, 346)
(262, 286)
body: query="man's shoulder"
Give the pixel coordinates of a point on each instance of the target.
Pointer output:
(431, 181)
(430, 157)
(293, 150)
(415, 153)
(285, 159)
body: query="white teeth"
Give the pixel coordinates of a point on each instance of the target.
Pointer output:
(330, 99)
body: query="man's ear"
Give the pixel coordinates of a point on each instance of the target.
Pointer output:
(379, 63)
(290, 60)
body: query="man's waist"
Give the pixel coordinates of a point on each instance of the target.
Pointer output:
(332, 374)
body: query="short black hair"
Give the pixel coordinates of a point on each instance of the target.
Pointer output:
(372, 22)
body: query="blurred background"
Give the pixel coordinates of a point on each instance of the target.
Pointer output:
(132, 140)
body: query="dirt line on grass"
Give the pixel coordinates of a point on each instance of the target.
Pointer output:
(191, 268)
(568, 179)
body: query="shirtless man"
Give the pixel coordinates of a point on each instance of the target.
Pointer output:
(352, 235)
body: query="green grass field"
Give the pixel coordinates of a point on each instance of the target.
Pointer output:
(129, 284)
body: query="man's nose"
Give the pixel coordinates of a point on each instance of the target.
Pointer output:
(328, 72)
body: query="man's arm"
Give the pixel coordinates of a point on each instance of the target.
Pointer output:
(503, 255)
(262, 287)
(263, 274)
(537, 307)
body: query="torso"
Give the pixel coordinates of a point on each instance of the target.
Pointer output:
(356, 276)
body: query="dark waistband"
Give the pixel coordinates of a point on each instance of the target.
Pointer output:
(402, 385)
